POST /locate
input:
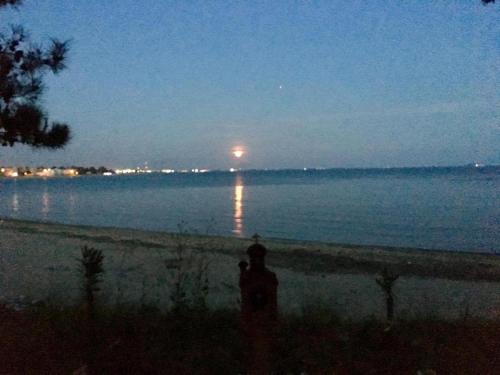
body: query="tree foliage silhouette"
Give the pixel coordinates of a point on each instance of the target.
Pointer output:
(9, 2)
(22, 68)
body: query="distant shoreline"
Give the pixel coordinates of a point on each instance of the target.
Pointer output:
(353, 170)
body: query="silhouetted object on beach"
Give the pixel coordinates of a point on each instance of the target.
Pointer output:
(386, 281)
(22, 67)
(92, 267)
(92, 271)
(259, 308)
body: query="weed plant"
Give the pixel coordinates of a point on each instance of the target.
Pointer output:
(187, 275)
(92, 269)
(386, 281)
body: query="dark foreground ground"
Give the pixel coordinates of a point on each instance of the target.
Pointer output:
(50, 340)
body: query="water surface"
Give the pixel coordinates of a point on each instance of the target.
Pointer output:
(434, 208)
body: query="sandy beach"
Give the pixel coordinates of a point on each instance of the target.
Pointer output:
(38, 261)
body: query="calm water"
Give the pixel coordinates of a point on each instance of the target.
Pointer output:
(445, 208)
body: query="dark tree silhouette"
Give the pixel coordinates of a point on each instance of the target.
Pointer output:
(22, 67)
(9, 2)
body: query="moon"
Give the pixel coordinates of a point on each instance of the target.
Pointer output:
(238, 153)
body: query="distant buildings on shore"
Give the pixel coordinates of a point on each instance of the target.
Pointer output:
(73, 171)
(51, 171)
(168, 171)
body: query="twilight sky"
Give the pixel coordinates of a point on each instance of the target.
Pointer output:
(296, 84)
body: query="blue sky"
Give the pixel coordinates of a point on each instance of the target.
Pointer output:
(297, 84)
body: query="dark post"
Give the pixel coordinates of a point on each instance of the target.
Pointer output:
(386, 281)
(92, 267)
(259, 308)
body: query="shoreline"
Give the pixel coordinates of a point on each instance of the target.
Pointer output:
(39, 262)
(284, 241)
(311, 256)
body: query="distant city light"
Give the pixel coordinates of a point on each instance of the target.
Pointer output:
(125, 171)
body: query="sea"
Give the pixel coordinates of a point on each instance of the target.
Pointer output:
(452, 208)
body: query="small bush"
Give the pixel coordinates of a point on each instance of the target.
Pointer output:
(92, 267)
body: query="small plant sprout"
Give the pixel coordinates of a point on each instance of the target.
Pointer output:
(386, 280)
(188, 274)
(91, 263)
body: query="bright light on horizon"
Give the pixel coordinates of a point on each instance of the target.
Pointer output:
(238, 153)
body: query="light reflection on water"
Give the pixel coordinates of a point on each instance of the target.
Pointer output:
(451, 211)
(238, 205)
(45, 204)
(72, 205)
(15, 202)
